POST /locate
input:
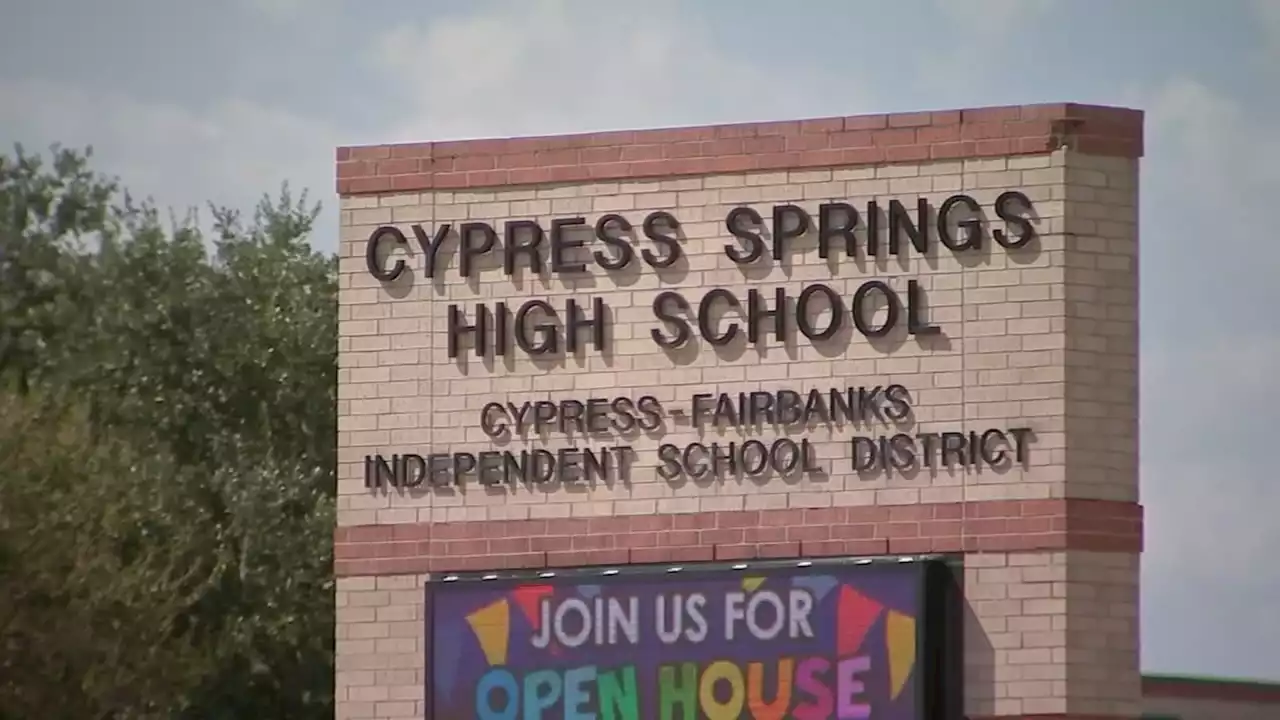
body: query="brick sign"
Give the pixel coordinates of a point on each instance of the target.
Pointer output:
(569, 362)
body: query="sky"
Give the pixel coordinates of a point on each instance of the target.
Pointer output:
(196, 102)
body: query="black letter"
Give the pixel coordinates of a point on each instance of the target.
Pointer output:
(577, 321)
(670, 243)
(468, 252)
(918, 231)
(864, 452)
(789, 408)
(873, 228)
(378, 472)
(915, 307)
(490, 428)
(859, 309)
(991, 456)
(754, 242)
(512, 249)
(827, 228)
(457, 325)
(802, 312)
(660, 311)
(571, 416)
(670, 456)
(371, 253)
(651, 412)
(430, 246)
(898, 401)
(622, 245)
(560, 243)
(758, 312)
(902, 452)
(438, 472)
(547, 331)
(705, 324)
(1028, 231)
(784, 467)
(953, 449)
(699, 410)
(463, 464)
(1021, 439)
(972, 227)
(761, 458)
(413, 470)
(780, 231)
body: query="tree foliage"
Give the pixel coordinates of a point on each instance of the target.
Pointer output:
(166, 454)
(96, 570)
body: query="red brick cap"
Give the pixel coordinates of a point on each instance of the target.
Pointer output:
(1189, 688)
(788, 145)
(990, 526)
(1052, 716)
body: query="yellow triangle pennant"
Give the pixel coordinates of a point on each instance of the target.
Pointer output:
(900, 638)
(492, 626)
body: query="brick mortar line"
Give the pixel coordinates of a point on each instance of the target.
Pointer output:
(988, 526)
(788, 145)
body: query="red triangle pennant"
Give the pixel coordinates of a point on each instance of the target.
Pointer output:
(856, 613)
(527, 598)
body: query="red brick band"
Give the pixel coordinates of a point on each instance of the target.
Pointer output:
(794, 145)
(1211, 689)
(995, 526)
(1051, 716)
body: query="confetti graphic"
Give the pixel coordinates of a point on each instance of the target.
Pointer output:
(808, 644)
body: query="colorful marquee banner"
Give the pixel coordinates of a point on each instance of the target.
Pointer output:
(836, 641)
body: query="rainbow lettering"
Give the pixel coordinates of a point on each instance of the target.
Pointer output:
(838, 644)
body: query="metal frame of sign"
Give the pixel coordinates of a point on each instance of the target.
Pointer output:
(938, 651)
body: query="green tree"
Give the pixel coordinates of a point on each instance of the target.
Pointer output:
(217, 354)
(96, 543)
(46, 214)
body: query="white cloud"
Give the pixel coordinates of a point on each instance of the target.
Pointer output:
(229, 153)
(278, 9)
(1267, 13)
(313, 19)
(1210, 179)
(979, 33)
(1215, 136)
(991, 19)
(1211, 398)
(1217, 410)
(552, 66)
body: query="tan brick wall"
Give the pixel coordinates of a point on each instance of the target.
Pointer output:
(1003, 362)
(1044, 627)
(1101, 354)
(378, 647)
(1042, 337)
